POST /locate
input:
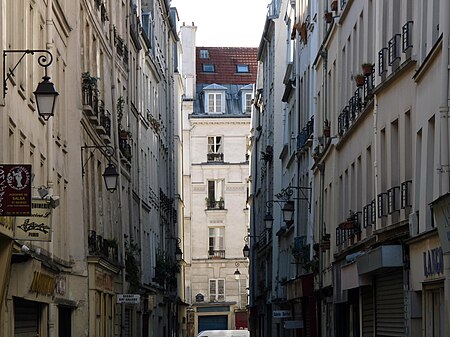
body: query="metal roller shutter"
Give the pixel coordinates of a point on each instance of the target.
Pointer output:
(26, 318)
(216, 322)
(389, 304)
(367, 311)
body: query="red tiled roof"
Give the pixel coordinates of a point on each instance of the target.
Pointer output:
(225, 60)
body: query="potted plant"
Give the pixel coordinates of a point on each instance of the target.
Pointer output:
(360, 80)
(328, 16)
(326, 128)
(367, 69)
(334, 5)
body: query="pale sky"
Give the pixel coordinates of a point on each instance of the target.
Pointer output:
(224, 23)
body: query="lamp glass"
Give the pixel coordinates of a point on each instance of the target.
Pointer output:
(268, 221)
(246, 251)
(45, 98)
(110, 175)
(288, 211)
(178, 254)
(237, 274)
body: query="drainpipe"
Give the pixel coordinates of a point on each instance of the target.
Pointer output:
(50, 157)
(444, 107)
(321, 167)
(115, 139)
(444, 135)
(375, 151)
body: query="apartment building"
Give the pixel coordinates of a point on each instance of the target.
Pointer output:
(363, 164)
(103, 263)
(217, 104)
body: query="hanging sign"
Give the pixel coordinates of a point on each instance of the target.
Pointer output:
(36, 226)
(441, 213)
(15, 189)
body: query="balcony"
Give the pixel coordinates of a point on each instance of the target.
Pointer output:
(216, 254)
(104, 127)
(215, 157)
(98, 246)
(90, 96)
(125, 149)
(349, 231)
(215, 204)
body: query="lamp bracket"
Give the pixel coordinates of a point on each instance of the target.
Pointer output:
(286, 193)
(108, 152)
(43, 60)
(174, 238)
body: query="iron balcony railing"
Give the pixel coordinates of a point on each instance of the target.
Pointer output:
(215, 157)
(99, 246)
(216, 254)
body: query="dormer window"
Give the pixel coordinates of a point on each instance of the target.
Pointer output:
(204, 54)
(242, 68)
(246, 98)
(208, 68)
(214, 95)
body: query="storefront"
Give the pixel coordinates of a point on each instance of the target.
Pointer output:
(427, 287)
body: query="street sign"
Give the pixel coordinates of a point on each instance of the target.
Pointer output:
(293, 324)
(15, 189)
(281, 314)
(128, 298)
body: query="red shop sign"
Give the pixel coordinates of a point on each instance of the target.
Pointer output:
(15, 189)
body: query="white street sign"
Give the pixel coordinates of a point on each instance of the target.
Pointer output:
(128, 298)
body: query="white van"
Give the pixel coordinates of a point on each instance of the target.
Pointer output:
(224, 333)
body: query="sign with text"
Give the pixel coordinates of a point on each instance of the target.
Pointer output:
(15, 189)
(128, 298)
(37, 226)
(293, 324)
(441, 213)
(281, 314)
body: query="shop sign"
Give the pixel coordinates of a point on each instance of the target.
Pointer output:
(128, 298)
(441, 213)
(433, 262)
(15, 190)
(36, 226)
(281, 314)
(43, 284)
(103, 281)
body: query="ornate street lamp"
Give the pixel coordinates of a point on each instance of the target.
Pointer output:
(110, 175)
(45, 92)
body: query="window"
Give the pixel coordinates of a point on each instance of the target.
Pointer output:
(214, 102)
(215, 152)
(242, 68)
(247, 100)
(216, 242)
(208, 68)
(204, 54)
(216, 290)
(215, 200)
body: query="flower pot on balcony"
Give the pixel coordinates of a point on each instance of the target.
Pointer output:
(367, 69)
(123, 135)
(334, 5)
(326, 128)
(328, 16)
(360, 80)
